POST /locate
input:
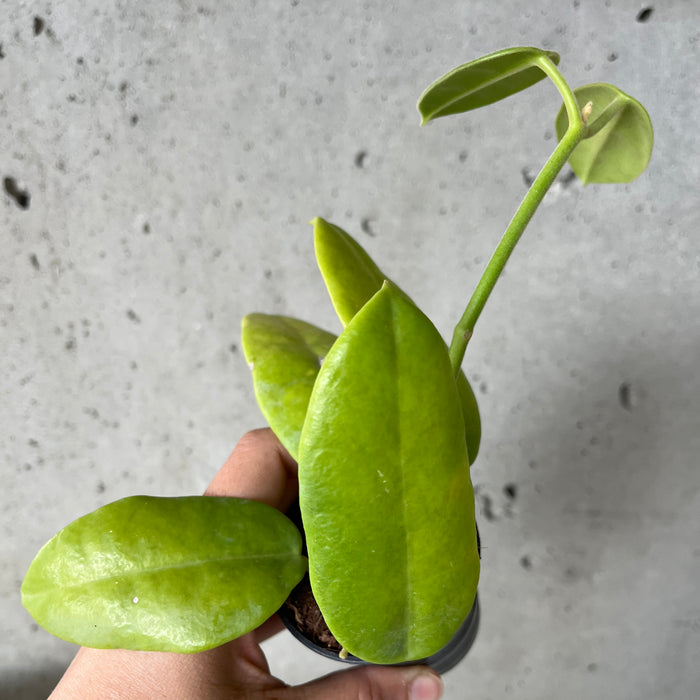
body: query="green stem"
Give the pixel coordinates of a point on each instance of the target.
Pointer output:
(464, 329)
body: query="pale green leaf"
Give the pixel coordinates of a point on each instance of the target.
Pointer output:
(385, 493)
(618, 139)
(165, 574)
(352, 279)
(284, 355)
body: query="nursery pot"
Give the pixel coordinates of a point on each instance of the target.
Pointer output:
(302, 617)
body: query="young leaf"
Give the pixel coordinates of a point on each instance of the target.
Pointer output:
(352, 279)
(165, 574)
(285, 355)
(618, 139)
(385, 493)
(483, 81)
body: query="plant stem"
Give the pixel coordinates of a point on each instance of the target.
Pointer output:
(464, 329)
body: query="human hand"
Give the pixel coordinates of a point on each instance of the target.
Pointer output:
(261, 469)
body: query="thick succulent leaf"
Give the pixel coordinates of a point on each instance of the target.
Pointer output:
(470, 413)
(352, 279)
(351, 276)
(618, 139)
(165, 574)
(385, 493)
(483, 81)
(285, 355)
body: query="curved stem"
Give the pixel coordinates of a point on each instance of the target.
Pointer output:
(464, 329)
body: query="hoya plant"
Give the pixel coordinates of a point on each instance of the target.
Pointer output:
(382, 422)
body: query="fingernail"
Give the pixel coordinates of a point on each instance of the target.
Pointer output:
(426, 686)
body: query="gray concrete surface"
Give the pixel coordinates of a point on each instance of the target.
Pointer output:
(171, 155)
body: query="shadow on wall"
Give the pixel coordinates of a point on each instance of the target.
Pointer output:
(30, 685)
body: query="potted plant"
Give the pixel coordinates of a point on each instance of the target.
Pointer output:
(384, 426)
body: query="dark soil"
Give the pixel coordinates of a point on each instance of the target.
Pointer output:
(307, 615)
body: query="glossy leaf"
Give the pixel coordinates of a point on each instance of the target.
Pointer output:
(618, 139)
(483, 81)
(165, 574)
(351, 276)
(285, 355)
(470, 414)
(352, 279)
(385, 493)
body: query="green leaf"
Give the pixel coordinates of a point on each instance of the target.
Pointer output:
(165, 574)
(352, 279)
(483, 81)
(618, 139)
(385, 493)
(285, 355)
(470, 413)
(351, 276)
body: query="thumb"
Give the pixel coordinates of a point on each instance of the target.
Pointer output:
(375, 682)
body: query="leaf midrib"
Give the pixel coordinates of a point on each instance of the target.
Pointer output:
(174, 567)
(521, 66)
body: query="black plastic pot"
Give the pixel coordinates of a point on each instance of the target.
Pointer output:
(445, 659)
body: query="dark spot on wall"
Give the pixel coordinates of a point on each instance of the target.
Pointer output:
(571, 574)
(33, 443)
(133, 316)
(511, 491)
(644, 15)
(360, 158)
(483, 387)
(366, 226)
(463, 155)
(17, 192)
(526, 562)
(624, 394)
(123, 86)
(34, 261)
(134, 119)
(146, 228)
(486, 507)
(528, 177)
(233, 348)
(612, 56)
(80, 60)
(38, 25)
(268, 274)
(101, 487)
(568, 178)
(592, 667)
(2, 52)
(70, 344)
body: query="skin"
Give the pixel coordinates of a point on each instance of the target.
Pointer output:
(261, 469)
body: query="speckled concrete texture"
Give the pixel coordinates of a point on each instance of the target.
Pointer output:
(159, 164)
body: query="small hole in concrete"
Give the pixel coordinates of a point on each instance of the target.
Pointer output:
(39, 25)
(645, 14)
(366, 226)
(360, 159)
(17, 192)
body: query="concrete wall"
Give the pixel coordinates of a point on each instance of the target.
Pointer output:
(163, 161)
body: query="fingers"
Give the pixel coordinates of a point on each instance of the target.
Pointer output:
(376, 682)
(259, 468)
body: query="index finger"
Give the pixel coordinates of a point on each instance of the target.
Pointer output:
(259, 468)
